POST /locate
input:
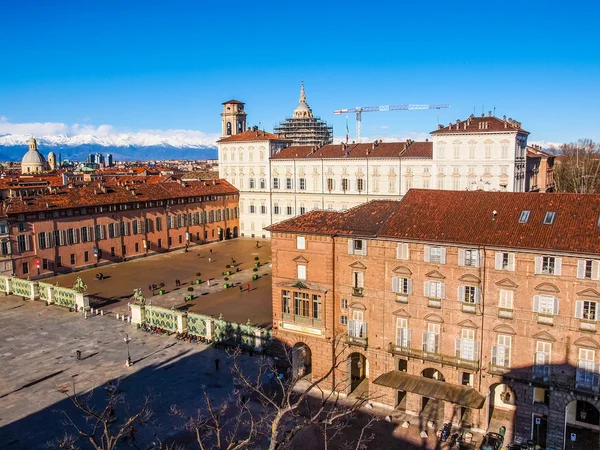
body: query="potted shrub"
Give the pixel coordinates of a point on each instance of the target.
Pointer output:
(255, 276)
(198, 281)
(255, 270)
(161, 292)
(161, 285)
(256, 258)
(198, 274)
(228, 266)
(190, 289)
(226, 279)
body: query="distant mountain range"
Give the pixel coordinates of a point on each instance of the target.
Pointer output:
(123, 146)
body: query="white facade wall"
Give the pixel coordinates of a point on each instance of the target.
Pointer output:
(272, 190)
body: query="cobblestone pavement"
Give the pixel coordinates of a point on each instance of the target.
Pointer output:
(113, 293)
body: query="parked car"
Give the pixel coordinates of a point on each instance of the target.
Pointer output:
(492, 441)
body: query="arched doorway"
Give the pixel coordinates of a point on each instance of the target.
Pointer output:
(228, 233)
(302, 360)
(432, 408)
(235, 232)
(582, 422)
(502, 408)
(358, 373)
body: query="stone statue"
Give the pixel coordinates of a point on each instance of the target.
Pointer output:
(138, 297)
(79, 286)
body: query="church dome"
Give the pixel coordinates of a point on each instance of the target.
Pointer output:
(33, 157)
(33, 161)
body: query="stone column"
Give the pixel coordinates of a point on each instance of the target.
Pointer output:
(138, 314)
(210, 329)
(50, 295)
(82, 301)
(181, 322)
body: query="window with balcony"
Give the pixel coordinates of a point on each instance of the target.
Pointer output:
(541, 361)
(588, 269)
(357, 328)
(357, 247)
(548, 265)
(547, 307)
(435, 254)
(588, 371)
(402, 287)
(358, 283)
(505, 303)
(300, 243)
(505, 261)
(435, 291)
(501, 354)
(466, 347)
(468, 258)
(431, 338)
(587, 313)
(301, 305)
(403, 334)
(469, 296)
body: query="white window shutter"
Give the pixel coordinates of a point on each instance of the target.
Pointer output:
(443, 295)
(426, 289)
(495, 355)
(538, 264)
(364, 248)
(427, 253)
(399, 251)
(511, 262)
(536, 303)
(579, 309)
(478, 255)
(461, 257)
(558, 267)
(350, 246)
(395, 284)
(406, 251)
(477, 295)
(457, 347)
(409, 287)
(498, 261)
(555, 306)
(595, 270)
(461, 293)
(581, 269)
(443, 256)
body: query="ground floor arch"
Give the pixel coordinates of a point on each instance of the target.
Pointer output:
(432, 408)
(358, 374)
(302, 360)
(501, 409)
(582, 425)
(235, 232)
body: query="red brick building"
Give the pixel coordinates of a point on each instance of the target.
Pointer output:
(76, 228)
(476, 307)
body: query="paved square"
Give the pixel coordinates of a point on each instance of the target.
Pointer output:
(114, 292)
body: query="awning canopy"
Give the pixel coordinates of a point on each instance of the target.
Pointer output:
(431, 388)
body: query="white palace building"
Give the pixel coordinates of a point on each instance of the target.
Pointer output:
(278, 180)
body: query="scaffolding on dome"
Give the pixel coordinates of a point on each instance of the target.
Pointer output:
(305, 131)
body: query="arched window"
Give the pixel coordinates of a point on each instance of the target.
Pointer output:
(240, 127)
(228, 128)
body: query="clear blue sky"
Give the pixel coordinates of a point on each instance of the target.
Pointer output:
(170, 64)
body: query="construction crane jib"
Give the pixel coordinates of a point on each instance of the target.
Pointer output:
(361, 109)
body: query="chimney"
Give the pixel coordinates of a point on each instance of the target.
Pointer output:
(494, 214)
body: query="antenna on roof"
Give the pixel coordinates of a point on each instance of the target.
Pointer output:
(494, 110)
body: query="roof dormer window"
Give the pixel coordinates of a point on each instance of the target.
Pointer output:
(524, 216)
(549, 218)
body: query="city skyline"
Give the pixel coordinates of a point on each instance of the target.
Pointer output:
(166, 70)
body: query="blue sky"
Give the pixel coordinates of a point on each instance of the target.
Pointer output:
(169, 65)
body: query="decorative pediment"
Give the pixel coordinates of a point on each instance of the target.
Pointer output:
(302, 173)
(360, 173)
(402, 270)
(506, 283)
(586, 342)
(401, 313)
(457, 142)
(358, 265)
(251, 171)
(358, 305)
(288, 172)
(469, 278)
(544, 336)
(589, 293)
(505, 329)
(302, 284)
(300, 260)
(315, 171)
(435, 274)
(275, 172)
(262, 171)
(329, 172)
(345, 172)
(467, 324)
(250, 148)
(547, 287)
(434, 318)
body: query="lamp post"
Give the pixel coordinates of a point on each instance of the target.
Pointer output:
(129, 362)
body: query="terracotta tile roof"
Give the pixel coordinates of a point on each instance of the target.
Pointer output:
(370, 150)
(484, 124)
(93, 195)
(235, 102)
(363, 220)
(250, 135)
(467, 217)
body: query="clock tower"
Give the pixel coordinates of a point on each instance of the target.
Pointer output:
(233, 118)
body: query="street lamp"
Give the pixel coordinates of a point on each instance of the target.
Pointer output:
(129, 362)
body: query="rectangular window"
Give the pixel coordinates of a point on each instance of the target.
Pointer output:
(502, 351)
(402, 285)
(286, 306)
(301, 304)
(25, 268)
(262, 183)
(302, 184)
(45, 264)
(289, 210)
(403, 338)
(158, 224)
(435, 254)
(344, 320)
(357, 247)
(251, 183)
(159, 243)
(402, 251)
(288, 183)
(360, 184)
(86, 256)
(435, 289)
(549, 218)
(505, 261)
(263, 209)
(300, 243)
(524, 218)
(72, 259)
(137, 247)
(344, 303)
(545, 304)
(431, 338)
(586, 310)
(112, 251)
(276, 209)
(357, 327)
(22, 227)
(301, 269)
(358, 280)
(548, 266)
(469, 294)
(587, 269)
(330, 184)
(345, 184)
(275, 183)
(317, 307)
(506, 299)
(252, 209)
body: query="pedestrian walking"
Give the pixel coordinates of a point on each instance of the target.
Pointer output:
(217, 364)
(257, 246)
(241, 288)
(248, 287)
(211, 251)
(208, 282)
(78, 355)
(209, 259)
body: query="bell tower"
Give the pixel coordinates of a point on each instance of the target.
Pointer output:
(233, 118)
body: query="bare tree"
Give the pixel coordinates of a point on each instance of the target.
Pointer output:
(286, 405)
(578, 167)
(101, 427)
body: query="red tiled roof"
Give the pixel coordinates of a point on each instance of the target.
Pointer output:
(92, 195)
(371, 150)
(484, 124)
(235, 102)
(364, 220)
(250, 135)
(467, 218)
